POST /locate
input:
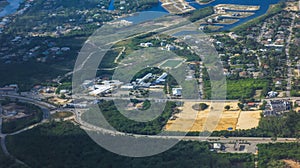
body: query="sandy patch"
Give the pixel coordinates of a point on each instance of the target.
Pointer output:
(292, 163)
(59, 101)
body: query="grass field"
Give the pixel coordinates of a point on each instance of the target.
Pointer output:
(171, 63)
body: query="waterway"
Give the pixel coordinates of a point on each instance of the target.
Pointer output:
(264, 6)
(11, 8)
(111, 5)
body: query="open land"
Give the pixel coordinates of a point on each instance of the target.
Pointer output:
(248, 119)
(192, 120)
(238, 7)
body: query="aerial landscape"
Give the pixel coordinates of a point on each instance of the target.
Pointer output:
(149, 83)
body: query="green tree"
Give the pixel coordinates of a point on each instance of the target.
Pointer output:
(203, 106)
(227, 107)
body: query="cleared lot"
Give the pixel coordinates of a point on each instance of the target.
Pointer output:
(214, 118)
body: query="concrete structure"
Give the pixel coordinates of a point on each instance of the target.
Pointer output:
(217, 146)
(177, 91)
(272, 94)
(146, 77)
(10, 89)
(277, 108)
(148, 44)
(99, 89)
(161, 78)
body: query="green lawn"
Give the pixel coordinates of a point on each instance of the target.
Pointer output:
(172, 63)
(241, 89)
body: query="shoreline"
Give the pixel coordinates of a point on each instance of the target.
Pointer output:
(204, 3)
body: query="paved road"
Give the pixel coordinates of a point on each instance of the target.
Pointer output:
(80, 96)
(256, 140)
(30, 100)
(2, 136)
(288, 63)
(45, 107)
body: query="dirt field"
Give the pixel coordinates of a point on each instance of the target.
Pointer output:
(215, 118)
(229, 120)
(59, 101)
(186, 119)
(292, 6)
(248, 119)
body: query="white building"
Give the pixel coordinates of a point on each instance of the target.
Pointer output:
(217, 146)
(148, 44)
(161, 78)
(100, 89)
(272, 94)
(176, 91)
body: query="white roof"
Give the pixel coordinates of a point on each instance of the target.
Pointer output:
(100, 89)
(217, 146)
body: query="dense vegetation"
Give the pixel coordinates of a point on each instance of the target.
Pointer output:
(242, 29)
(201, 13)
(45, 17)
(123, 124)
(270, 155)
(65, 145)
(7, 162)
(285, 126)
(134, 6)
(240, 89)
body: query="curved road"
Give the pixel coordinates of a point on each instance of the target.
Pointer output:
(45, 107)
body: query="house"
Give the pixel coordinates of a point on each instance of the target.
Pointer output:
(217, 146)
(75, 105)
(65, 49)
(252, 104)
(170, 47)
(272, 94)
(177, 92)
(87, 83)
(99, 89)
(148, 44)
(278, 84)
(10, 89)
(277, 107)
(280, 105)
(127, 87)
